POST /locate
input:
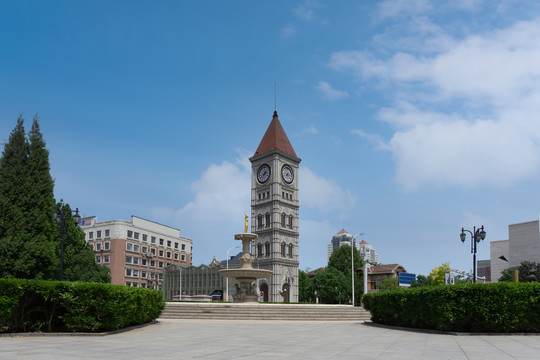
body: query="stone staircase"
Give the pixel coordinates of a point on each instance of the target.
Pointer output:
(234, 311)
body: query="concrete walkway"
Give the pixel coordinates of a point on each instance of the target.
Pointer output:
(215, 339)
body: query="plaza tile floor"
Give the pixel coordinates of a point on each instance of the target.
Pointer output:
(211, 339)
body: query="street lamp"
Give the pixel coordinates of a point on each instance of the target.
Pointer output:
(61, 219)
(352, 264)
(227, 279)
(476, 236)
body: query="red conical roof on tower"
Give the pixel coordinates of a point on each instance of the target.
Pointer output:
(275, 139)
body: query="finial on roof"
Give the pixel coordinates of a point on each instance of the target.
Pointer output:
(275, 114)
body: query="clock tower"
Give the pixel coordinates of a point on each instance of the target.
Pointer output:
(274, 213)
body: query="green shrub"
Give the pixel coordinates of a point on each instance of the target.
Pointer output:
(34, 305)
(502, 307)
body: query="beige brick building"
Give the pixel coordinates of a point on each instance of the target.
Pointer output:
(136, 251)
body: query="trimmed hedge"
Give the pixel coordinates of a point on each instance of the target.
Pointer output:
(501, 307)
(55, 306)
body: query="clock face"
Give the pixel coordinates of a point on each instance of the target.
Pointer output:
(287, 174)
(263, 174)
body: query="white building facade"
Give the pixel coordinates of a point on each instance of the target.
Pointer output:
(136, 251)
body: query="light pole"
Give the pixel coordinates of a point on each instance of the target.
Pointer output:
(352, 264)
(227, 279)
(476, 236)
(61, 219)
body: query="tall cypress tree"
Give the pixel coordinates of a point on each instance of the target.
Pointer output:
(13, 199)
(27, 232)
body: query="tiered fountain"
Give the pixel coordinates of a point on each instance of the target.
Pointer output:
(246, 275)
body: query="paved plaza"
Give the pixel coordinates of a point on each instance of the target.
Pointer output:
(213, 339)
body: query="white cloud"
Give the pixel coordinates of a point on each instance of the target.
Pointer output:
(329, 92)
(323, 194)
(306, 10)
(312, 130)
(395, 8)
(466, 115)
(373, 138)
(288, 31)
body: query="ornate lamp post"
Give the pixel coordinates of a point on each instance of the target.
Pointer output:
(477, 235)
(61, 219)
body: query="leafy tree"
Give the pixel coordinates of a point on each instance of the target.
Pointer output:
(332, 286)
(389, 284)
(437, 273)
(79, 258)
(305, 293)
(528, 272)
(422, 280)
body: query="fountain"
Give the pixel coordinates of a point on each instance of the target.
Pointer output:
(246, 274)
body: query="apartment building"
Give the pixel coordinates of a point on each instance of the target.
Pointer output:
(136, 251)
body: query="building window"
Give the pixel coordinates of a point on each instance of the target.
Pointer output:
(283, 249)
(183, 247)
(169, 243)
(98, 246)
(267, 249)
(129, 234)
(136, 236)
(152, 263)
(106, 259)
(160, 253)
(176, 245)
(136, 247)
(144, 237)
(135, 272)
(129, 259)
(268, 194)
(267, 219)
(153, 239)
(183, 257)
(259, 221)
(153, 251)
(161, 242)
(143, 274)
(283, 219)
(144, 262)
(91, 235)
(135, 260)
(98, 234)
(107, 245)
(260, 250)
(290, 250)
(107, 233)
(160, 264)
(98, 259)
(129, 246)
(290, 221)
(169, 254)
(144, 250)
(128, 272)
(176, 256)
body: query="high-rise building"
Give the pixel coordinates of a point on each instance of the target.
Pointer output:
(345, 238)
(274, 213)
(136, 251)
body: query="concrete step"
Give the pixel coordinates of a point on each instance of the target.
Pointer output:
(230, 311)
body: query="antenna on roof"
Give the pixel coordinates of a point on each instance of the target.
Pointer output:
(275, 95)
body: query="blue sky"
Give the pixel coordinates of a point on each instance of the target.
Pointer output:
(412, 118)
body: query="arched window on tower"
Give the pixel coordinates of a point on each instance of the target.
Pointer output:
(283, 219)
(267, 249)
(283, 249)
(259, 221)
(260, 250)
(290, 250)
(267, 220)
(290, 221)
